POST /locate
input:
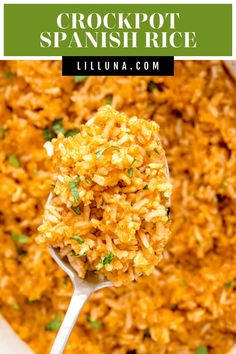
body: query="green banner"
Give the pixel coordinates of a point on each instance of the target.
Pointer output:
(118, 29)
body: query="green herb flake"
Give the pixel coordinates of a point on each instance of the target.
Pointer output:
(15, 306)
(3, 132)
(109, 100)
(229, 284)
(134, 160)
(156, 151)
(20, 238)
(32, 302)
(57, 126)
(201, 349)
(54, 325)
(75, 255)
(98, 154)
(76, 209)
(108, 259)
(78, 79)
(223, 184)
(65, 281)
(130, 172)
(9, 74)
(105, 260)
(145, 188)
(148, 153)
(88, 180)
(78, 239)
(14, 161)
(73, 188)
(47, 134)
(93, 324)
(72, 132)
(183, 283)
(151, 86)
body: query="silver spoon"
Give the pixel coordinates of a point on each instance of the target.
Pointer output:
(83, 288)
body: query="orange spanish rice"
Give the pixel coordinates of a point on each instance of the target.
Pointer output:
(188, 304)
(108, 213)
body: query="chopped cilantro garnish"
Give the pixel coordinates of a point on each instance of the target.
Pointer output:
(9, 74)
(20, 238)
(130, 172)
(183, 283)
(71, 132)
(73, 188)
(65, 281)
(100, 152)
(14, 161)
(223, 184)
(88, 180)
(151, 86)
(229, 284)
(168, 213)
(76, 209)
(47, 134)
(108, 259)
(148, 153)
(32, 302)
(109, 99)
(201, 349)
(145, 187)
(80, 78)
(54, 324)
(132, 162)
(3, 132)
(105, 260)
(93, 324)
(15, 306)
(57, 126)
(79, 239)
(156, 151)
(77, 255)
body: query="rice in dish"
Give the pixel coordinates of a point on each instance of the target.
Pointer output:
(109, 212)
(189, 302)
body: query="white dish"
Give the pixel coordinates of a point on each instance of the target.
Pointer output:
(10, 343)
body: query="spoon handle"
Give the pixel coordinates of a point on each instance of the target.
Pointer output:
(76, 304)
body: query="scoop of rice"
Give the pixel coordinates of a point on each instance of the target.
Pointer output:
(109, 211)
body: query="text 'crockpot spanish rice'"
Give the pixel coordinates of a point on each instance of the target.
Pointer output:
(109, 209)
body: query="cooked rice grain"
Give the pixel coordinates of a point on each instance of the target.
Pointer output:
(113, 152)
